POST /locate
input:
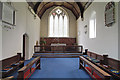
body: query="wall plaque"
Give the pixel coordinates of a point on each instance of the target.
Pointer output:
(109, 14)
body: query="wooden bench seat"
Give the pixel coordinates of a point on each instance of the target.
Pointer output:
(26, 71)
(11, 64)
(93, 70)
(109, 65)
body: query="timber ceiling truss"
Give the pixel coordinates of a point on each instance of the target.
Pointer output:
(76, 7)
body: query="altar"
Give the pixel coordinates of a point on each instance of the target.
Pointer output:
(58, 47)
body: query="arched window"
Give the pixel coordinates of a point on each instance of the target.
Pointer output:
(58, 23)
(92, 25)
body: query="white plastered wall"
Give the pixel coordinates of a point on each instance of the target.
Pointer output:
(119, 30)
(33, 31)
(106, 40)
(12, 40)
(0, 40)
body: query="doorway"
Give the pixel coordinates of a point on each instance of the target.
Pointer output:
(25, 46)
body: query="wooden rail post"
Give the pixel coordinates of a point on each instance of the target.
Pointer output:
(86, 51)
(105, 60)
(80, 61)
(19, 55)
(38, 62)
(21, 75)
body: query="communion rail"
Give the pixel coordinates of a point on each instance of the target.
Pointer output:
(58, 49)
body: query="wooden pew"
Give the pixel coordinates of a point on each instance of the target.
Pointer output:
(26, 71)
(11, 64)
(96, 56)
(111, 64)
(93, 70)
(106, 64)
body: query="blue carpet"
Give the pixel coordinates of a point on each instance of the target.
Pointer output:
(60, 68)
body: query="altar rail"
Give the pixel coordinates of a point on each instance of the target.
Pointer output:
(58, 49)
